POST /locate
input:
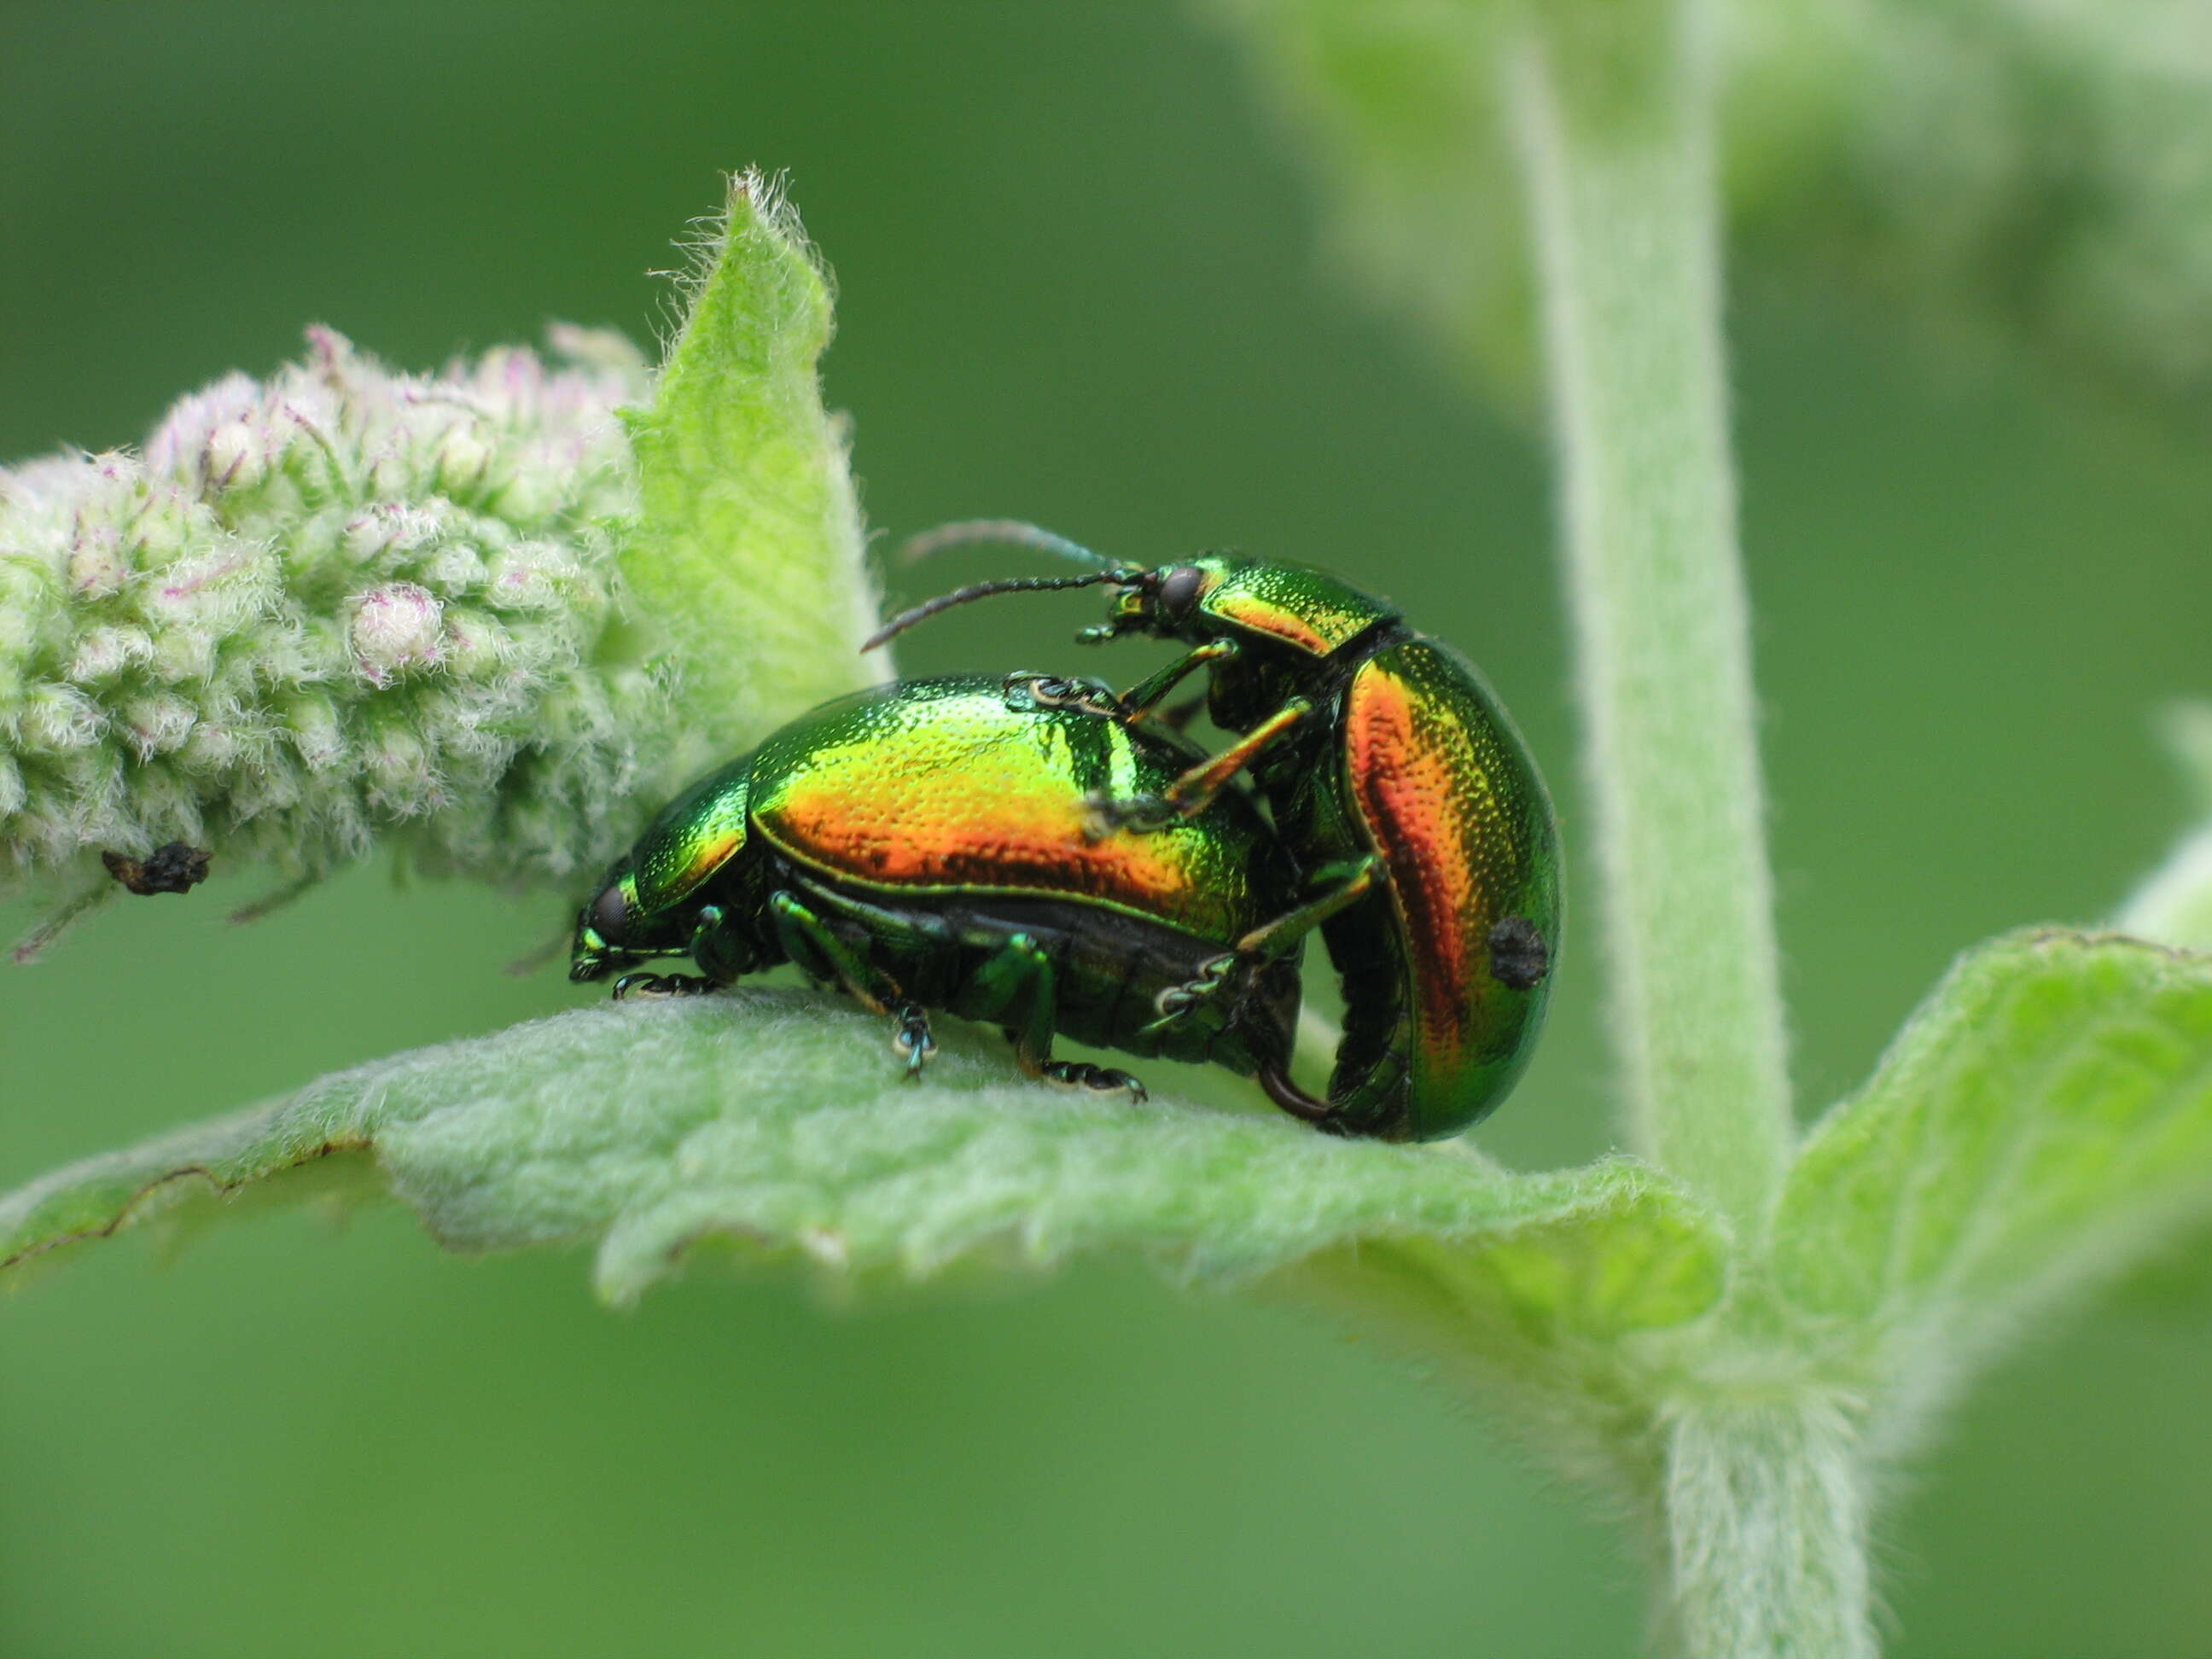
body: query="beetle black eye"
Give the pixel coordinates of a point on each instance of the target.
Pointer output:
(611, 915)
(1179, 590)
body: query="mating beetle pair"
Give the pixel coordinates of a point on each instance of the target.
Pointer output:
(1422, 833)
(922, 845)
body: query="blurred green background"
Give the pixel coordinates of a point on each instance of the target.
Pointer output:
(1079, 282)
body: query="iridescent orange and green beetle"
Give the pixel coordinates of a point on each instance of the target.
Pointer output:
(922, 845)
(1394, 775)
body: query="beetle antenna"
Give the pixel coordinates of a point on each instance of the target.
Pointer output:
(1009, 532)
(928, 608)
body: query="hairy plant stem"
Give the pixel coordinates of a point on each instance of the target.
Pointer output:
(1615, 118)
(1765, 1529)
(1762, 1509)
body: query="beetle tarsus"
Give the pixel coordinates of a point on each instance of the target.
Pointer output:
(1107, 816)
(654, 987)
(1098, 1079)
(912, 1040)
(1027, 691)
(1178, 1002)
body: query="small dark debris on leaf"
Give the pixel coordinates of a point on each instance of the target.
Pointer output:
(175, 868)
(1518, 956)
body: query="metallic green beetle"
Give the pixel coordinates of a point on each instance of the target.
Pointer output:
(1390, 768)
(922, 846)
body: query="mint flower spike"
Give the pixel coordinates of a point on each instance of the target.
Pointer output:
(488, 615)
(341, 602)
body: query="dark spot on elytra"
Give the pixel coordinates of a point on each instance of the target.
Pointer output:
(1518, 956)
(175, 868)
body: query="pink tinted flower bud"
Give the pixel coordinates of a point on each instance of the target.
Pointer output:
(395, 626)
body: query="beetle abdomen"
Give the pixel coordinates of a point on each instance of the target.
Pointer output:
(1446, 795)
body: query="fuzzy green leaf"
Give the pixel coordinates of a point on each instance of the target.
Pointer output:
(2044, 1119)
(748, 553)
(776, 1120)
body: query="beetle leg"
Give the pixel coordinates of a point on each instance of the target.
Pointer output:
(1195, 790)
(912, 1040)
(1103, 1079)
(1347, 884)
(709, 919)
(809, 942)
(1178, 1002)
(1017, 988)
(723, 951)
(818, 949)
(1025, 690)
(1296, 1101)
(877, 919)
(1179, 716)
(1139, 699)
(652, 986)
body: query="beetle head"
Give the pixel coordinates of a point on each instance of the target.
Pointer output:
(615, 931)
(1280, 608)
(1285, 609)
(1168, 602)
(603, 928)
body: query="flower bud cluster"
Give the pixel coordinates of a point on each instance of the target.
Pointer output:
(340, 605)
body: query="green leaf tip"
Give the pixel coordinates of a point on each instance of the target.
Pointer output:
(748, 553)
(776, 1120)
(2043, 1122)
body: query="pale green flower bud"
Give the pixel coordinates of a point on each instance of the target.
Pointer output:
(395, 628)
(104, 653)
(158, 722)
(233, 457)
(317, 730)
(475, 645)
